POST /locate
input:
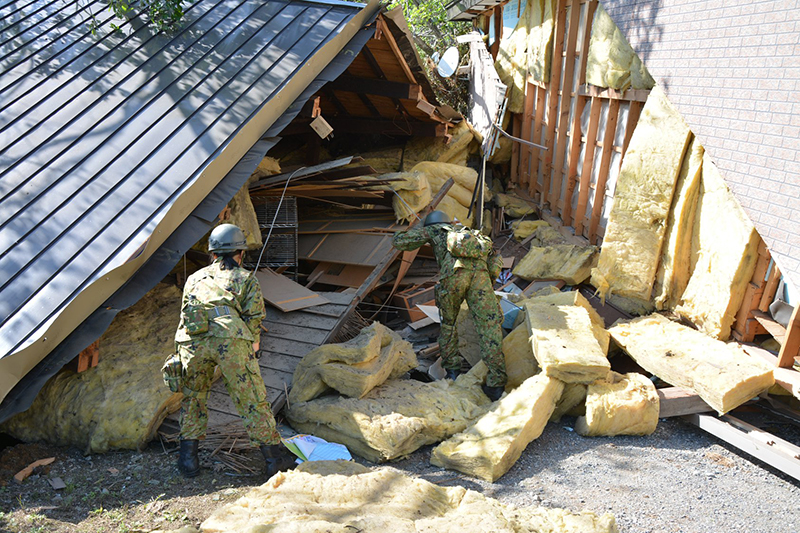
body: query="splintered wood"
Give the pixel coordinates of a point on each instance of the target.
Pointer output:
(493, 444)
(722, 374)
(568, 337)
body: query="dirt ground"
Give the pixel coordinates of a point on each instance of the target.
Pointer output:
(679, 479)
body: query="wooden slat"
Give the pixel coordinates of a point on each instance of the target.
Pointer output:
(771, 288)
(566, 104)
(605, 161)
(588, 160)
(277, 346)
(634, 111)
(516, 131)
(284, 363)
(675, 401)
(752, 295)
(535, 153)
(527, 134)
(396, 49)
(552, 106)
(775, 329)
(284, 331)
(574, 155)
(791, 343)
(785, 377)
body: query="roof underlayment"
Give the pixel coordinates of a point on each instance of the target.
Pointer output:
(111, 142)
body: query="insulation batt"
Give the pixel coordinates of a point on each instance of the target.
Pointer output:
(354, 367)
(611, 61)
(619, 405)
(493, 444)
(396, 418)
(120, 403)
(571, 402)
(413, 194)
(524, 228)
(518, 352)
(568, 337)
(514, 206)
(571, 263)
(635, 232)
(721, 373)
(344, 497)
(675, 267)
(438, 149)
(723, 266)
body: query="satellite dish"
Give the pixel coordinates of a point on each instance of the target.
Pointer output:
(449, 63)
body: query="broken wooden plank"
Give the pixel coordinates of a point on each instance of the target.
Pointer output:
(286, 294)
(791, 343)
(677, 401)
(20, 476)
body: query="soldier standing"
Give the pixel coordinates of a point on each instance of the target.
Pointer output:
(220, 325)
(463, 276)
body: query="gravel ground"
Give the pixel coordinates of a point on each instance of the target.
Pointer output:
(679, 479)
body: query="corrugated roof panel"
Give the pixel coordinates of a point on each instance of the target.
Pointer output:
(100, 135)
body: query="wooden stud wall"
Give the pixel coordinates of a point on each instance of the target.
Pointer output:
(571, 178)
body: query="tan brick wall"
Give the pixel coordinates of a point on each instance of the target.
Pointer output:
(733, 70)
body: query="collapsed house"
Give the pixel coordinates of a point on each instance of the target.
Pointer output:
(624, 196)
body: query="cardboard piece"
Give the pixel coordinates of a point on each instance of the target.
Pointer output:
(285, 294)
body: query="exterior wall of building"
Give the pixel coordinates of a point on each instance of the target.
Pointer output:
(732, 67)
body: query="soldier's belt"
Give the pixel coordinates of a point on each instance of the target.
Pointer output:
(222, 310)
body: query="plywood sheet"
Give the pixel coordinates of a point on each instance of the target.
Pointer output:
(286, 294)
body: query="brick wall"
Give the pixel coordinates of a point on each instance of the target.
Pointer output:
(732, 67)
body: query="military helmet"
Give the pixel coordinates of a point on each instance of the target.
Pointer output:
(226, 238)
(436, 217)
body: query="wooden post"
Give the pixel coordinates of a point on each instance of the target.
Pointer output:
(602, 174)
(588, 160)
(791, 343)
(552, 104)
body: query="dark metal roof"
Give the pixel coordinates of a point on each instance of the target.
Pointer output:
(109, 141)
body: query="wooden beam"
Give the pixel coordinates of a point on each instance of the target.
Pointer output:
(524, 174)
(588, 161)
(387, 261)
(566, 105)
(379, 87)
(383, 126)
(791, 343)
(785, 377)
(385, 32)
(764, 446)
(634, 112)
(631, 95)
(675, 401)
(602, 174)
(771, 288)
(535, 153)
(752, 295)
(572, 160)
(369, 105)
(552, 106)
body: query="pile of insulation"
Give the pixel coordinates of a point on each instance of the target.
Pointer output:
(661, 247)
(414, 190)
(395, 418)
(343, 497)
(120, 403)
(355, 367)
(550, 255)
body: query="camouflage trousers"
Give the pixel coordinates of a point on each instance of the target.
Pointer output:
(242, 377)
(476, 287)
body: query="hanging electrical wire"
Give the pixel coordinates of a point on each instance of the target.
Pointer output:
(277, 210)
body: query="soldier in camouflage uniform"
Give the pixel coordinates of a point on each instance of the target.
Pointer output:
(220, 325)
(463, 278)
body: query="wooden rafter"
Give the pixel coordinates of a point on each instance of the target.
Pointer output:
(380, 87)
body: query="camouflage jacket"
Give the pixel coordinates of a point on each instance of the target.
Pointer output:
(231, 299)
(436, 235)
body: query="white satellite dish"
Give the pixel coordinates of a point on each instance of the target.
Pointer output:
(449, 63)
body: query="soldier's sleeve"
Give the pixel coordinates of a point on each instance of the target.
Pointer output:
(495, 264)
(410, 239)
(253, 311)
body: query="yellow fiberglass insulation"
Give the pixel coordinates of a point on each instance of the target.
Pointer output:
(611, 61)
(721, 373)
(632, 244)
(384, 160)
(525, 228)
(269, 166)
(514, 206)
(568, 337)
(527, 50)
(456, 151)
(492, 445)
(571, 402)
(396, 418)
(120, 403)
(412, 193)
(619, 405)
(520, 362)
(355, 367)
(675, 266)
(345, 497)
(725, 250)
(464, 177)
(571, 263)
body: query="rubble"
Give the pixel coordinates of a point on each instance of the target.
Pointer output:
(120, 403)
(568, 337)
(355, 367)
(342, 497)
(619, 405)
(721, 373)
(395, 418)
(632, 243)
(493, 444)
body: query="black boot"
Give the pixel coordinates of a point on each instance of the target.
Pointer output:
(452, 374)
(493, 393)
(188, 464)
(278, 459)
